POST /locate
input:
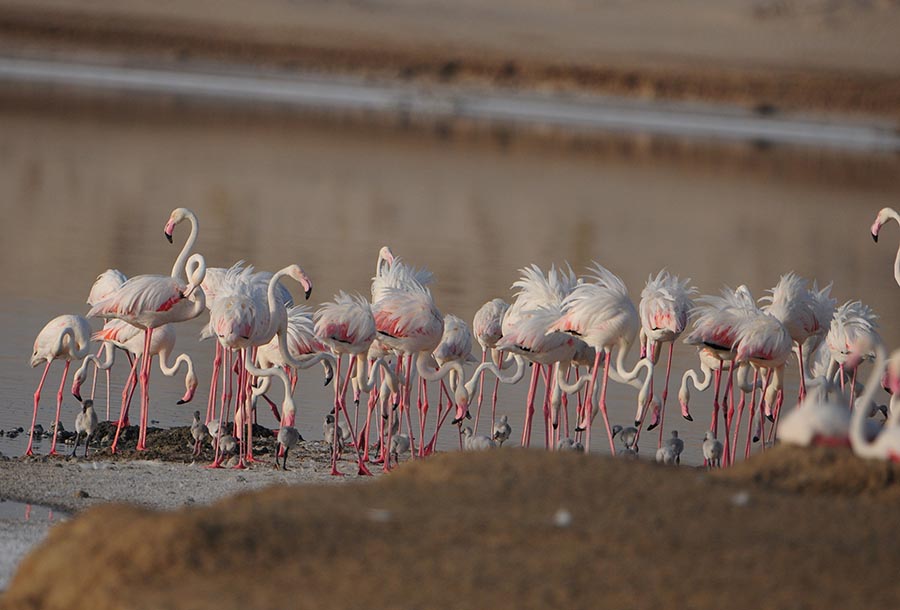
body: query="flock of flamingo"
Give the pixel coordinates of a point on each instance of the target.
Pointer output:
(576, 334)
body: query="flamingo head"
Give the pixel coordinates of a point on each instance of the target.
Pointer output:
(296, 272)
(190, 384)
(684, 397)
(177, 215)
(882, 218)
(385, 256)
(76, 383)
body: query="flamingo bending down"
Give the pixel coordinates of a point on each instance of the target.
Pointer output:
(854, 329)
(106, 283)
(68, 338)
(886, 446)
(488, 328)
(347, 326)
(665, 309)
(603, 316)
(150, 301)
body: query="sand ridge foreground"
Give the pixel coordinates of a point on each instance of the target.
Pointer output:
(505, 529)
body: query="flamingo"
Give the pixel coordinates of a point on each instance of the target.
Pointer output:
(455, 346)
(804, 313)
(408, 321)
(853, 330)
(676, 444)
(488, 328)
(712, 450)
(67, 338)
(347, 326)
(106, 283)
(85, 423)
(245, 318)
(199, 432)
(665, 455)
(665, 310)
(501, 430)
(603, 316)
(288, 437)
(526, 331)
(473, 442)
(716, 326)
(884, 215)
(118, 333)
(886, 445)
(150, 301)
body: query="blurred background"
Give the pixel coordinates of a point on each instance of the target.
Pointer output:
(729, 142)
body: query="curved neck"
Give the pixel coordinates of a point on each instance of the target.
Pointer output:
(575, 387)
(691, 375)
(272, 301)
(367, 385)
(178, 267)
(894, 216)
(109, 358)
(287, 406)
(169, 370)
(858, 441)
(490, 366)
(440, 373)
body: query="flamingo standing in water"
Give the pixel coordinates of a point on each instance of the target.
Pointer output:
(455, 346)
(854, 329)
(665, 309)
(603, 316)
(118, 333)
(488, 329)
(408, 321)
(67, 338)
(103, 286)
(150, 301)
(347, 326)
(803, 313)
(715, 333)
(884, 215)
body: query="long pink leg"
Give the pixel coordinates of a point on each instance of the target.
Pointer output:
(94, 380)
(547, 375)
(588, 407)
(802, 394)
(752, 412)
(127, 395)
(665, 394)
(714, 424)
(737, 426)
(423, 413)
(241, 406)
(494, 396)
(407, 393)
(444, 393)
(529, 405)
(729, 413)
(37, 398)
(612, 446)
(362, 470)
(145, 397)
(213, 384)
(853, 388)
(107, 394)
(59, 397)
(480, 391)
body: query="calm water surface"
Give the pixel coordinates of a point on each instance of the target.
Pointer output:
(83, 193)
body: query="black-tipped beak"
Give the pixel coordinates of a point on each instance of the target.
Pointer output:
(328, 380)
(875, 237)
(181, 402)
(169, 237)
(755, 439)
(77, 396)
(688, 417)
(307, 293)
(770, 417)
(555, 427)
(651, 427)
(579, 429)
(637, 423)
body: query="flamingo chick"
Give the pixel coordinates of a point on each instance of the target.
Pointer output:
(85, 423)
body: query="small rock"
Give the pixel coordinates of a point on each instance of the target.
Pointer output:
(379, 515)
(82, 494)
(562, 518)
(20, 429)
(38, 429)
(241, 479)
(741, 498)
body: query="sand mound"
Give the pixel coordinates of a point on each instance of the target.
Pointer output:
(505, 529)
(824, 470)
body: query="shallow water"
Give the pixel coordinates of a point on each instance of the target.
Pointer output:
(81, 193)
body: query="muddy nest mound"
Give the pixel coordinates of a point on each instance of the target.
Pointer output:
(825, 470)
(502, 529)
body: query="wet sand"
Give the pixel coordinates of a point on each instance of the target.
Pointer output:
(511, 529)
(769, 55)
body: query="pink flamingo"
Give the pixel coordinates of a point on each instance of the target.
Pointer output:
(603, 316)
(68, 338)
(884, 215)
(347, 326)
(150, 301)
(103, 286)
(665, 309)
(455, 346)
(246, 317)
(853, 331)
(886, 445)
(408, 321)
(118, 333)
(803, 313)
(488, 328)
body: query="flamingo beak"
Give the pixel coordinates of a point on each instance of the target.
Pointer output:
(875, 237)
(308, 292)
(170, 228)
